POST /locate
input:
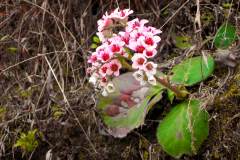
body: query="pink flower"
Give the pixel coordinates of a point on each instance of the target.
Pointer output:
(114, 67)
(93, 58)
(153, 30)
(135, 24)
(132, 44)
(116, 44)
(137, 38)
(124, 54)
(138, 61)
(150, 53)
(116, 39)
(104, 23)
(135, 34)
(136, 46)
(93, 68)
(89, 70)
(149, 41)
(105, 56)
(139, 48)
(115, 48)
(125, 37)
(101, 48)
(103, 69)
(150, 68)
(103, 81)
(121, 14)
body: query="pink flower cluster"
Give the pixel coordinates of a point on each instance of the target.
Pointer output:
(118, 36)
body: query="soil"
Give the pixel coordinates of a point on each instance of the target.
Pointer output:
(41, 36)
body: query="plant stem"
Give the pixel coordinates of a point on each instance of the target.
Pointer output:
(165, 82)
(126, 65)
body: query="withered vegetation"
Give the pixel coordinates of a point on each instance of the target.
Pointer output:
(44, 45)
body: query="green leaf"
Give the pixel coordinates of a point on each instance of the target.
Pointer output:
(155, 99)
(225, 36)
(123, 119)
(183, 42)
(170, 95)
(134, 116)
(96, 39)
(93, 46)
(193, 70)
(184, 129)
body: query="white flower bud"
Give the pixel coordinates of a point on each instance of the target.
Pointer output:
(110, 87)
(152, 80)
(138, 75)
(104, 93)
(93, 79)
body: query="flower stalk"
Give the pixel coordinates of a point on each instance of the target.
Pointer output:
(125, 44)
(179, 91)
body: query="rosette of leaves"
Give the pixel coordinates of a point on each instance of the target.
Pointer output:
(182, 130)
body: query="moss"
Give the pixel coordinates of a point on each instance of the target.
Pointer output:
(3, 111)
(223, 125)
(207, 17)
(233, 90)
(24, 93)
(57, 111)
(27, 141)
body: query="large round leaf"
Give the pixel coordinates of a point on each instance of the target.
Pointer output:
(119, 112)
(184, 129)
(192, 70)
(225, 36)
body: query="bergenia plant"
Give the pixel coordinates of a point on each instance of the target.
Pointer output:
(125, 44)
(123, 69)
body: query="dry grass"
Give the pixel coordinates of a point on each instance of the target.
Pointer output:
(44, 45)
